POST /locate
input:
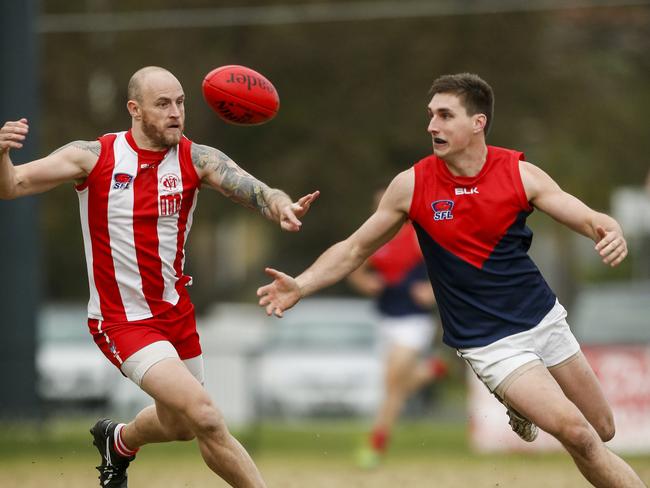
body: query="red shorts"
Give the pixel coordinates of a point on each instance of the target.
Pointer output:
(118, 340)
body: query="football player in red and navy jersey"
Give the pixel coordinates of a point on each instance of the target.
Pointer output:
(468, 202)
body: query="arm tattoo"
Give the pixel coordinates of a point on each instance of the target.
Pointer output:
(206, 157)
(91, 146)
(233, 181)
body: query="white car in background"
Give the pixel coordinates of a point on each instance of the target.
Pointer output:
(612, 313)
(322, 358)
(70, 367)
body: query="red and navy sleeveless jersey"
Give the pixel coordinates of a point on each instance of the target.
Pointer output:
(399, 262)
(474, 239)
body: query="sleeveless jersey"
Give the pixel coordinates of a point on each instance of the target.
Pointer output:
(474, 238)
(399, 262)
(136, 212)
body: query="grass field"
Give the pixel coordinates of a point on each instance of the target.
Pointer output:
(60, 455)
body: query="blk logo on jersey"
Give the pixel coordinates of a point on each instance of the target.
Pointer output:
(442, 209)
(169, 182)
(121, 181)
(466, 191)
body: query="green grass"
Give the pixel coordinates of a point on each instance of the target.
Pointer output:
(316, 454)
(65, 437)
(345, 437)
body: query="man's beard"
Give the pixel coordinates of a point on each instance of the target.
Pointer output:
(157, 137)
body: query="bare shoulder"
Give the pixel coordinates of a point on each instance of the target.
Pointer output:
(92, 148)
(535, 180)
(400, 191)
(525, 168)
(84, 154)
(207, 159)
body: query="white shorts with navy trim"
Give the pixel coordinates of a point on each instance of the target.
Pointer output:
(551, 342)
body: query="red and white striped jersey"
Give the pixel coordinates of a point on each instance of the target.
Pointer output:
(136, 212)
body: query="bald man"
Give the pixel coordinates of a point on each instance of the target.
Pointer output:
(137, 190)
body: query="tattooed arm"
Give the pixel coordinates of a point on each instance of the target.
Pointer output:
(221, 173)
(72, 162)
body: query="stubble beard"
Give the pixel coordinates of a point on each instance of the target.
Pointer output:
(158, 137)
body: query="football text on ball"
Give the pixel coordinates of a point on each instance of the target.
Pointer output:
(250, 82)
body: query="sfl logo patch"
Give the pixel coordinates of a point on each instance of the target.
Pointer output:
(442, 209)
(122, 181)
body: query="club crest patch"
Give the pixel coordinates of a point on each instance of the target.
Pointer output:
(169, 183)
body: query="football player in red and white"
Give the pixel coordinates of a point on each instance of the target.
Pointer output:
(137, 191)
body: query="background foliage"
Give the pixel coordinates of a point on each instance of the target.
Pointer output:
(571, 91)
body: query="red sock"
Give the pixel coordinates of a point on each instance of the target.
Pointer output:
(119, 445)
(379, 440)
(438, 368)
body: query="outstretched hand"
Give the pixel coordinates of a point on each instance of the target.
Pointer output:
(290, 215)
(611, 246)
(280, 295)
(12, 135)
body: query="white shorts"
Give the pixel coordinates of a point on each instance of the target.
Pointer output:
(412, 331)
(550, 342)
(138, 363)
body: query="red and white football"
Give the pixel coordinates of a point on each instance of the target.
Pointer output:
(240, 95)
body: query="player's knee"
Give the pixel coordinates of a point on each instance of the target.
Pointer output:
(578, 437)
(393, 380)
(396, 377)
(207, 421)
(176, 428)
(180, 432)
(605, 427)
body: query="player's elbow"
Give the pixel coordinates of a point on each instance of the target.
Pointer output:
(7, 193)
(356, 254)
(10, 185)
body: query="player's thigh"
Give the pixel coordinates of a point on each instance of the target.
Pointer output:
(173, 386)
(171, 418)
(401, 362)
(580, 384)
(537, 396)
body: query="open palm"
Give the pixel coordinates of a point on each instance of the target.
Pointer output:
(279, 295)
